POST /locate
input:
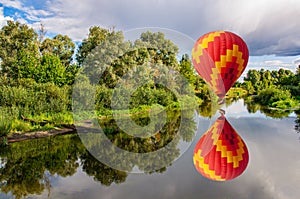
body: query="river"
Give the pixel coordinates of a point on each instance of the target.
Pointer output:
(60, 167)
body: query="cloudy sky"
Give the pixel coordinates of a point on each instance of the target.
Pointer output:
(270, 27)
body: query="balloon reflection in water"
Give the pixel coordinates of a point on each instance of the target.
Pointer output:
(221, 154)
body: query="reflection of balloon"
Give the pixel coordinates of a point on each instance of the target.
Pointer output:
(220, 58)
(221, 154)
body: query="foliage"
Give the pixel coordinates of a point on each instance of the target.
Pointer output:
(30, 165)
(37, 76)
(16, 39)
(23, 55)
(5, 123)
(51, 70)
(236, 93)
(60, 46)
(187, 70)
(28, 99)
(96, 36)
(274, 97)
(278, 89)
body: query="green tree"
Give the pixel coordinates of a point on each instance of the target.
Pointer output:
(101, 64)
(187, 69)
(51, 70)
(26, 66)
(95, 37)
(160, 49)
(275, 97)
(247, 85)
(61, 46)
(16, 40)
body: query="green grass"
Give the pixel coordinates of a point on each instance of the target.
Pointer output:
(5, 126)
(38, 123)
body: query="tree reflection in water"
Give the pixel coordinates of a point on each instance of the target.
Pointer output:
(27, 167)
(297, 121)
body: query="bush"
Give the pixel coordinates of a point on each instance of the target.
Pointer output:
(288, 103)
(30, 98)
(236, 93)
(275, 97)
(5, 126)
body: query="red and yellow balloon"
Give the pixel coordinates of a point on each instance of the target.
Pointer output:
(221, 154)
(220, 58)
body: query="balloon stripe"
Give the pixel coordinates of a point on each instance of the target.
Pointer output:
(223, 44)
(209, 38)
(216, 48)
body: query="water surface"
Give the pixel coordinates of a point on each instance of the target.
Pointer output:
(61, 167)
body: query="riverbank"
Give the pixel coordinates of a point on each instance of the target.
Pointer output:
(18, 137)
(71, 129)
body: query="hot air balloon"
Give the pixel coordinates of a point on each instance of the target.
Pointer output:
(221, 154)
(220, 58)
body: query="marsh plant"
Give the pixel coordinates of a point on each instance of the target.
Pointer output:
(5, 128)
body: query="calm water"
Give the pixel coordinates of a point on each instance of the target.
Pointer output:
(60, 167)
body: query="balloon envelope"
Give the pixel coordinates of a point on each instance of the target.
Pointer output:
(220, 58)
(221, 154)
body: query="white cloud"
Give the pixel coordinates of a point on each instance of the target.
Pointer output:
(273, 62)
(3, 19)
(297, 61)
(269, 26)
(261, 23)
(12, 3)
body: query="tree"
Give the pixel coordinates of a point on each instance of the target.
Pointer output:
(41, 33)
(161, 50)
(27, 65)
(298, 70)
(95, 37)
(51, 70)
(253, 76)
(275, 97)
(16, 39)
(100, 64)
(61, 46)
(247, 85)
(187, 70)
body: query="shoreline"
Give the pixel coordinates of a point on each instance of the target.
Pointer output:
(70, 129)
(15, 137)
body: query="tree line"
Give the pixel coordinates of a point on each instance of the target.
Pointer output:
(37, 77)
(278, 89)
(37, 74)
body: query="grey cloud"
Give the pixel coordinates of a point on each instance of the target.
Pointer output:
(268, 27)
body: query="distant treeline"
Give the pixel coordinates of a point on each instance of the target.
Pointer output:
(278, 89)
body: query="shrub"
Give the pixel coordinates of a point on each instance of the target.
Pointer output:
(288, 103)
(269, 96)
(5, 126)
(30, 98)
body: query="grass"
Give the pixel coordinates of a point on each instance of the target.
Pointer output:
(42, 122)
(5, 126)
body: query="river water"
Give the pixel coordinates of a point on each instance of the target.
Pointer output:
(61, 168)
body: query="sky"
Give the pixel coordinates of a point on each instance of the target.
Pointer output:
(269, 27)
